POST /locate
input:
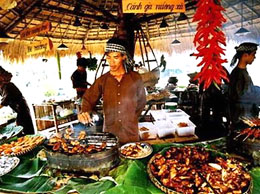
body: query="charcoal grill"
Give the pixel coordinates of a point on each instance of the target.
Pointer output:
(98, 163)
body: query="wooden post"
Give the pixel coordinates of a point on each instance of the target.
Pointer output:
(126, 28)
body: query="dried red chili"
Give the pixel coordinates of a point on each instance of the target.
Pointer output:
(208, 40)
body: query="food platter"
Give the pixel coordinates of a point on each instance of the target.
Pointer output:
(190, 170)
(21, 146)
(136, 150)
(7, 164)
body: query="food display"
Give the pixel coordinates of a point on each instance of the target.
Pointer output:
(136, 150)
(66, 143)
(22, 145)
(7, 164)
(191, 170)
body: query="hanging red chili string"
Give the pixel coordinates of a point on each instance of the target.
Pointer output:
(208, 40)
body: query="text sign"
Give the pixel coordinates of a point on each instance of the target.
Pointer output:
(39, 47)
(153, 6)
(34, 31)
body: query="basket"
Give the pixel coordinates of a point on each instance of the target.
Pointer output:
(165, 189)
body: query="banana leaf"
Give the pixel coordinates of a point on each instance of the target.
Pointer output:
(9, 131)
(132, 172)
(126, 189)
(31, 155)
(86, 186)
(28, 168)
(219, 144)
(255, 173)
(132, 177)
(38, 184)
(26, 177)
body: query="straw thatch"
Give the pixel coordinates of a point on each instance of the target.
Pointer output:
(92, 14)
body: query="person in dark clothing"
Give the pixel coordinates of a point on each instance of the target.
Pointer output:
(123, 95)
(11, 96)
(79, 77)
(244, 97)
(212, 103)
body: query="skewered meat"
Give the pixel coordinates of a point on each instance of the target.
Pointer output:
(253, 131)
(22, 144)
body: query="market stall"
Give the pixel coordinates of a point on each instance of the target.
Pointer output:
(34, 175)
(170, 156)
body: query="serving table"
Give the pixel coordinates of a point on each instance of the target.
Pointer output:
(33, 175)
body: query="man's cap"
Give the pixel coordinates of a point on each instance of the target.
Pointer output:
(116, 45)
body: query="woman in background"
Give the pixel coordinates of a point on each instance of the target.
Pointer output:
(11, 96)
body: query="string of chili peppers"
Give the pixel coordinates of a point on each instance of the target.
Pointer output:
(208, 40)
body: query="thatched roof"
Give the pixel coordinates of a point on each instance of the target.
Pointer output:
(94, 13)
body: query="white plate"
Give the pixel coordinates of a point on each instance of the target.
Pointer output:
(7, 164)
(146, 150)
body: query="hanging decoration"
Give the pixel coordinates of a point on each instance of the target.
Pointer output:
(59, 65)
(91, 62)
(208, 41)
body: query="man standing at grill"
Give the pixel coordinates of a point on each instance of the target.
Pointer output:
(123, 95)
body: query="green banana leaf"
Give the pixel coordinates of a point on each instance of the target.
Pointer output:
(131, 172)
(28, 168)
(86, 186)
(219, 144)
(26, 177)
(9, 131)
(37, 184)
(31, 155)
(132, 177)
(255, 173)
(126, 189)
